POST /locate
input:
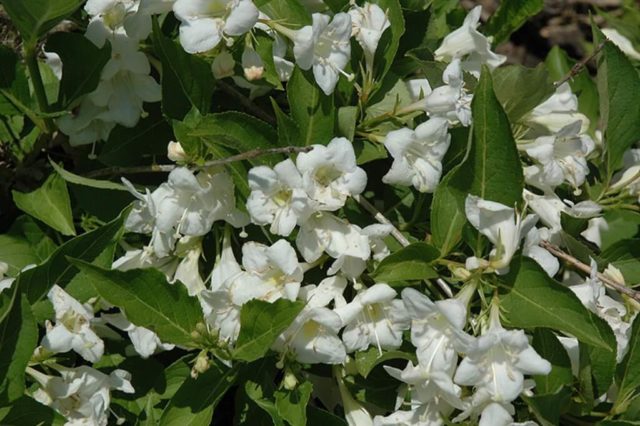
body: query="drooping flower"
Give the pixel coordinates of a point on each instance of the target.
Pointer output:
(495, 365)
(72, 330)
(204, 23)
(325, 47)
(373, 317)
(277, 197)
(82, 395)
(144, 341)
(418, 154)
(330, 174)
(559, 158)
(501, 225)
(368, 23)
(451, 101)
(466, 42)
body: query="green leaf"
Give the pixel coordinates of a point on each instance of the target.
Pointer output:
(624, 255)
(549, 347)
(34, 18)
(390, 40)
(491, 171)
(628, 374)
(148, 300)
(195, 401)
(621, 225)
(133, 146)
(314, 112)
(288, 131)
(510, 16)
(264, 48)
(260, 324)
(186, 79)
(618, 85)
(36, 282)
(83, 63)
(50, 203)
(536, 300)
(81, 180)
(17, 253)
(318, 416)
(26, 410)
(292, 404)
(521, 89)
(367, 360)
(291, 12)
(18, 339)
(347, 116)
(549, 407)
(409, 263)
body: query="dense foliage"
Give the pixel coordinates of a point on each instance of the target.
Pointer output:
(324, 212)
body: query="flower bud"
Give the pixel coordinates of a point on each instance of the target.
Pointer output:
(175, 152)
(223, 65)
(252, 64)
(290, 381)
(201, 365)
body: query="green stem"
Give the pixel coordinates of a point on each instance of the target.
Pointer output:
(31, 57)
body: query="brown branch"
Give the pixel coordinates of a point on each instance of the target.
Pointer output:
(620, 288)
(166, 168)
(579, 66)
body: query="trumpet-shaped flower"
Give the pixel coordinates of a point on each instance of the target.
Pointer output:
(353, 266)
(501, 225)
(204, 23)
(277, 197)
(496, 362)
(542, 256)
(368, 23)
(450, 101)
(144, 341)
(82, 395)
(373, 317)
(272, 272)
(188, 270)
(629, 178)
(622, 42)
(466, 42)
(326, 232)
(556, 113)
(73, 328)
(330, 174)
(418, 154)
(325, 47)
(559, 158)
(312, 337)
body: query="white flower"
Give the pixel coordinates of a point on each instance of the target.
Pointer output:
(354, 412)
(329, 290)
(495, 364)
(5, 282)
(418, 154)
(204, 23)
(330, 174)
(82, 395)
(85, 126)
(496, 414)
(252, 64)
(116, 16)
(188, 270)
(368, 23)
(593, 296)
(312, 337)
(373, 317)
(629, 178)
(284, 67)
(144, 341)
(277, 197)
(594, 227)
(450, 101)
(223, 65)
(557, 112)
(353, 266)
(622, 42)
(325, 47)
(501, 225)
(272, 272)
(326, 232)
(418, 88)
(531, 249)
(559, 158)
(467, 42)
(73, 327)
(175, 151)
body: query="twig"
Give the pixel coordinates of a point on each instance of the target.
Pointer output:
(579, 66)
(246, 102)
(166, 168)
(621, 288)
